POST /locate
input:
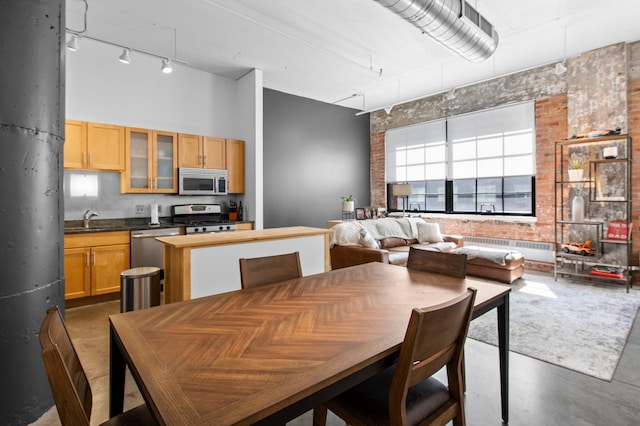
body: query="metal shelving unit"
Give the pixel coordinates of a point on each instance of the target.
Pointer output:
(605, 189)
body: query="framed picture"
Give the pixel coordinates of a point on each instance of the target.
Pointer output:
(610, 180)
(360, 213)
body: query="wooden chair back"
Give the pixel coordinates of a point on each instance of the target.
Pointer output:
(434, 338)
(68, 381)
(270, 269)
(452, 264)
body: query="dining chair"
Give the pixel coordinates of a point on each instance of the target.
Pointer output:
(68, 380)
(452, 264)
(269, 269)
(406, 394)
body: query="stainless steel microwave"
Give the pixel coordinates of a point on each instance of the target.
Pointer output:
(202, 181)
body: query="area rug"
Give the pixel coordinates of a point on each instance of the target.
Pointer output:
(579, 326)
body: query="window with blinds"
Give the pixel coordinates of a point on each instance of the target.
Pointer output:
(481, 162)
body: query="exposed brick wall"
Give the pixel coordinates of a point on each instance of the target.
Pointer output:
(551, 125)
(601, 90)
(377, 172)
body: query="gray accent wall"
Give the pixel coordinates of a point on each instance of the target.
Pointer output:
(314, 153)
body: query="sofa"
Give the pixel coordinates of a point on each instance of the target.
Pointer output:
(388, 241)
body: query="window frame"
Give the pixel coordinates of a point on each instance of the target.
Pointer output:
(446, 203)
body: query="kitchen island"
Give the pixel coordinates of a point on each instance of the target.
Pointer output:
(200, 265)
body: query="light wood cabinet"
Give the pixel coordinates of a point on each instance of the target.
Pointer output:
(77, 269)
(150, 162)
(189, 151)
(93, 263)
(94, 146)
(235, 166)
(214, 151)
(75, 144)
(200, 152)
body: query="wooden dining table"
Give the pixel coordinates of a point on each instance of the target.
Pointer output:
(268, 354)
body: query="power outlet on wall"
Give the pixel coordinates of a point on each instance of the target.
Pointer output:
(141, 210)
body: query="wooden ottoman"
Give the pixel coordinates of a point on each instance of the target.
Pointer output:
(496, 264)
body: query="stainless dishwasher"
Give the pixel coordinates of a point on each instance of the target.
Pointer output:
(145, 250)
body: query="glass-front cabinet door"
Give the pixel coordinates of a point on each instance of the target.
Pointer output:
(151, 161)
(165, 162)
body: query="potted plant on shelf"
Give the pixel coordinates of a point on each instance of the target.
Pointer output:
(348, 203)
(576, 171)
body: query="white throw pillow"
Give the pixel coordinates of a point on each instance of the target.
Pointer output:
(429, 232)
(367, 240)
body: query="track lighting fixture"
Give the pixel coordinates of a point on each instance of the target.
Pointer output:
(166, 66)
(125, 58)
(73, 44)
(388, 109)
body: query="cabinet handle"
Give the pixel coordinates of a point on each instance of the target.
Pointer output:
(87, 258)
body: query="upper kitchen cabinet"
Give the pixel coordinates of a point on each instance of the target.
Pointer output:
(189, 150)
(235, 166)
(201, 152)
(75, 144)
(94, 146)
(214, 150)
(151, 161)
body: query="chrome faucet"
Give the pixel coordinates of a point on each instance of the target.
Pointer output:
(87, 217)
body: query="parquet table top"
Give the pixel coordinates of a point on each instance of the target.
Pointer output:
(238, 357)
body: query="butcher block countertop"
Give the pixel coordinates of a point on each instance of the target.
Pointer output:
(221, 238)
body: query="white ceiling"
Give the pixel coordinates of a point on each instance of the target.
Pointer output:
(329, 50)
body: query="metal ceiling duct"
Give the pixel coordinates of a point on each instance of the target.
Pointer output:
(453, 23)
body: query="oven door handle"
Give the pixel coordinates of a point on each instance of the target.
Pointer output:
(150, 235)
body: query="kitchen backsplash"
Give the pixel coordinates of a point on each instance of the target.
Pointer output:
(111, 204)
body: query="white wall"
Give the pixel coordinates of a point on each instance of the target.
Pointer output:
(102, 89)
(250, 112)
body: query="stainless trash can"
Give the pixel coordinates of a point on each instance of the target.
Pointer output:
(139, 288)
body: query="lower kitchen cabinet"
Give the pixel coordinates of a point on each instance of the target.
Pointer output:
(93, 263)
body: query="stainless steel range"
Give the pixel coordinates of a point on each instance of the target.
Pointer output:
(201, 218)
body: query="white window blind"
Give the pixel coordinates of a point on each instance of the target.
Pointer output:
(416, 152)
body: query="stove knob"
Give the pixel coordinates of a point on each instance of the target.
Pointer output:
(228, 227)
(204, 229)
(196, 230)
(221, 228)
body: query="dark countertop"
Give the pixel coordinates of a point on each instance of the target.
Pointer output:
(111, 225)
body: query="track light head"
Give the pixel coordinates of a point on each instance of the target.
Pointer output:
(125, 58)
(73, 44)
(388, 109)
(166, 66)
(561, 68)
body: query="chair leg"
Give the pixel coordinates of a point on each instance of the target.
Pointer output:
(320, 416)
(463, 374)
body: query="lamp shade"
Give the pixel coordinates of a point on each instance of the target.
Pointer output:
(401, 189)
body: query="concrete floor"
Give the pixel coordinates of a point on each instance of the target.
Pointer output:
(540, 393)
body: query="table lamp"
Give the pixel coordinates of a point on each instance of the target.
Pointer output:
(402, 190)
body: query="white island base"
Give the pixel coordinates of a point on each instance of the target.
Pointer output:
(202, 265)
